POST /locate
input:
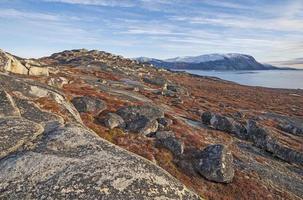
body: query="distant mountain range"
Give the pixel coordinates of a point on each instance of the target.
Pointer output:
(230, 61)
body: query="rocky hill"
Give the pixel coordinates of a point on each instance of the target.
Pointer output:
(231, 61)
(99, 126)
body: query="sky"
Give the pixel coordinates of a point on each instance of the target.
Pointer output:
(269, 30)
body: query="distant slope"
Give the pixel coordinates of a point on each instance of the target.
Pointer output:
(231, 61)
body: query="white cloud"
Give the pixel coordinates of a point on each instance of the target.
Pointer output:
(113, 3)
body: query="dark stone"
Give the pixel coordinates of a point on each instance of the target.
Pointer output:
(112, 120)
(221, 123)
(206, 117)
(165, 122)
(164, 134)
(142, 126)
(130, 113)
(177, 89)
(172, 144)
(159, 81)
(291, 128)
(215, 163)
(89, 104)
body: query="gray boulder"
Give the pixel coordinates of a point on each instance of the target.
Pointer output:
(172, 144)
(169, 142)
(164, 134)
(141, 118)
(177, 89)
(130, 113)
(206, 117)
(159, 81)
(291, 128)
(112, 120)
(142, 125)
(89, 104)
(215, 163)
(221, 123)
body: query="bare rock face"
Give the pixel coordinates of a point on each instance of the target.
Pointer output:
(89, 104)
(215, 163)
(9, 63)
(15, 132)
(73, 163)
(7, 105)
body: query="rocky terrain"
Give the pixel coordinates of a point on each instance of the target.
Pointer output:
(86, 124)
(221, 62)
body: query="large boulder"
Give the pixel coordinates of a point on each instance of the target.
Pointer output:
(89, 104)
(74, 163)
(215, 163)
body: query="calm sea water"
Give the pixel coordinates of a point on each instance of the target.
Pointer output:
(291, 79)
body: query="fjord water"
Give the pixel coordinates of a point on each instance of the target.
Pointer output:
(290, 79)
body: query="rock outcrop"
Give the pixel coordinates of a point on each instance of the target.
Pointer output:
(67, 160)
(9, 63)
(50, 151)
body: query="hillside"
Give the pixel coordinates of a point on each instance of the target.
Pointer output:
(230, 61)
(87, 124)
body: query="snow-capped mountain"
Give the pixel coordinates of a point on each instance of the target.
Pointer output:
(230, 61)
(205, 58)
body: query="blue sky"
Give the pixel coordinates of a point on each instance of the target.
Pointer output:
(270, 30)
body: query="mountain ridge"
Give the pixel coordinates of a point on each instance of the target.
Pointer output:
(215, 61)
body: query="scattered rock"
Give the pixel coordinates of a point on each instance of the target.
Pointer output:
(130, 113)
(221, 123)
(170, 143)
(164, 123)
(262, 139)
(89, 104)
(159, 81)
(142, 125)
(206, 117)
(177, 89)
(291, 128)
(215, 163)
(112, 120)
(258, 135)
(164, 134)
